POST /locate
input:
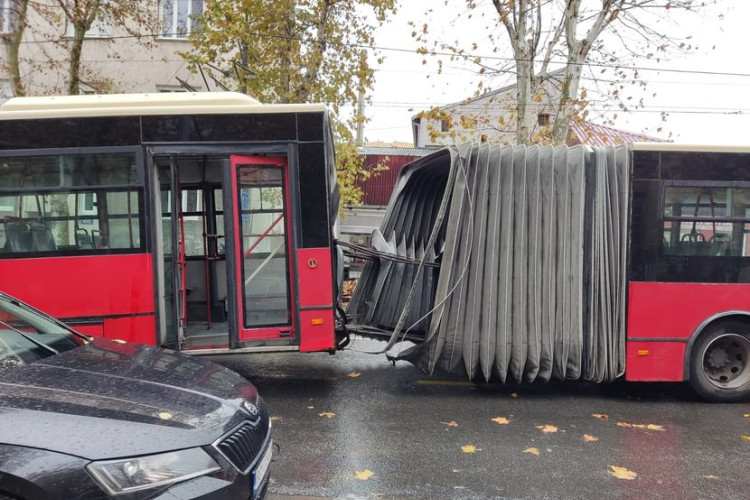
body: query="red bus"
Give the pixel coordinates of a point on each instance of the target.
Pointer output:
(172, 219)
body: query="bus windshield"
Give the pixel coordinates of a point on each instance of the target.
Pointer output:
(27, 336)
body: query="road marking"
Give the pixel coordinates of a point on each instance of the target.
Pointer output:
(447, 383)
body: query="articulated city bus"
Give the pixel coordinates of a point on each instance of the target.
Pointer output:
(206, 223)
(201, 222)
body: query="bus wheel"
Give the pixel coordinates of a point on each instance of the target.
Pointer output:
(720, 363)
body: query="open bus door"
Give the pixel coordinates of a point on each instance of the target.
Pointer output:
(261, 261)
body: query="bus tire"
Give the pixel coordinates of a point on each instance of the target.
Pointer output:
(720, 363)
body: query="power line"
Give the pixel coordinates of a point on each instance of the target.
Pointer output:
(460, 55)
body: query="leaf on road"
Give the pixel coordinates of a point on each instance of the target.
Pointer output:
(547, 428)
(364, 475)
(310, 407)
(747, 415)
(165, 415)
(589, 438)
(327, 414)
(452, 423)
(622, 473)
(469, 448)
(514, 394)
(275, 418)
(715, 478)
(353, 374)
(745, 438)
(532, 451)
(501, 420)
(601, 416)
(650, 427)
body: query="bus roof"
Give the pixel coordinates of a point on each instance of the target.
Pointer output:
(164, 103)
(689, 148)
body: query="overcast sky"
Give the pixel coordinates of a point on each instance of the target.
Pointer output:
(704, 108)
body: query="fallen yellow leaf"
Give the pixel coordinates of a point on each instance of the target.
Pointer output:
(353, 374)
(712, 477)
(501, 420)
(364, 475)
(310, 407)
(165, 415)
(514, 394)
(275, 418)
(532, 451)
(747, 415)
(469, 448)
(589, 438)
(327, 414)
(745, 438)
(650, 427)
(547, 428)
(452, 423)
(622, 473)
(601, 416)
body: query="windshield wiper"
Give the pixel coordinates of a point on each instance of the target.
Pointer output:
(31, 339)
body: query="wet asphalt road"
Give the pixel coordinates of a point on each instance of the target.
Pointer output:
(394, 422)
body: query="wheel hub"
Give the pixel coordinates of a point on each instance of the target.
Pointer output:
(725, 361)
(718, 357)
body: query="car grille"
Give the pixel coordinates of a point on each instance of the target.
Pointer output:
(243, 445)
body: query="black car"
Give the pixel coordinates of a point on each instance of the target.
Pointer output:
(91, 419)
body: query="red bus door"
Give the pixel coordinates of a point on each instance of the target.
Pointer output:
(262, 251)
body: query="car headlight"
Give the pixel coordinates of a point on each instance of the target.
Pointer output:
(140, 473)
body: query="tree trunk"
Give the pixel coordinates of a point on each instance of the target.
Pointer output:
(13, 46)
(74, 70)
(565, 107)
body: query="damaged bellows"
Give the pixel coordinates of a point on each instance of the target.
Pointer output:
(508, 262)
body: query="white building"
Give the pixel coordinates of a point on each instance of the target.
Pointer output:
(113, 60)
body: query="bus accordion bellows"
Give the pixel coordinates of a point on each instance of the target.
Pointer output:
(197, 221)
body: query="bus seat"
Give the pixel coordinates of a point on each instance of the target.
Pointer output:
(83, 240)
(42, 238)
(18, 236)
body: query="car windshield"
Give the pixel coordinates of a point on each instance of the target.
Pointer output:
(27, 336)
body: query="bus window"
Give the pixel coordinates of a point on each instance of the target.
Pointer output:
(68, 204)
(710, 221)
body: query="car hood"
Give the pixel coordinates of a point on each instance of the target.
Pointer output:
(106, 400)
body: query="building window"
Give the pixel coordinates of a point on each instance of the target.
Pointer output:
(179, 18)
(445, 125)
(543, 119)
(8, 16)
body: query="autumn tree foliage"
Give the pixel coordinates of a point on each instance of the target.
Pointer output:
(283, 51)
(542, 36)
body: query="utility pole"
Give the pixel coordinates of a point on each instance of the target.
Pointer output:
(361, 117)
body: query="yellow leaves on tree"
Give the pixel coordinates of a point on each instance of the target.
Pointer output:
(364, 475)
(622, 473)
(547, 429)
(327, 414)
(532, 451)
(501, 420)
(469, 448)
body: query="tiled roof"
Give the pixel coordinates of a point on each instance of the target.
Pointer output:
(391, 151)
(593, 134)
